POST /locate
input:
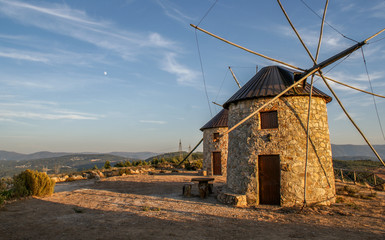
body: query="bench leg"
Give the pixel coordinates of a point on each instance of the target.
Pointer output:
(187, 190)
(211, 188)
(203, 189)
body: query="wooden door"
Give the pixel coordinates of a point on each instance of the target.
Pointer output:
(269, 175)
(217, 166)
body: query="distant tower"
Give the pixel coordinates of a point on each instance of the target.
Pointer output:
(180, 150)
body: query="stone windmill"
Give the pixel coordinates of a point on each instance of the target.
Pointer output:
(215, 147)
(267, 154)
(279, 148)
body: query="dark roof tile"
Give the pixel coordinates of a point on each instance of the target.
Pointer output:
(220, 120)
(269, 82)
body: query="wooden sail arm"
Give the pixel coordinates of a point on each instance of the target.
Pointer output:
(352, 121)
(217, 104)
(346, 85)
(286, 64)
(235, 78)
(329, 61)
(246, 49)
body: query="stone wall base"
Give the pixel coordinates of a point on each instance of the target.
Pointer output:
(236, 200)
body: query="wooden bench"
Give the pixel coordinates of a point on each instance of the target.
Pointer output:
(205, 188)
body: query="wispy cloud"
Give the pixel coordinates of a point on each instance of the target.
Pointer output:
(185, 76)
(356, 80)
(153, 122)
(15, 54)
(40, 110)
(45, 116)
(378, 11)
(330, 41)
(173, 12)
(63, 20)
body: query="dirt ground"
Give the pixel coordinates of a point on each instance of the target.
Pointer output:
(152, 207)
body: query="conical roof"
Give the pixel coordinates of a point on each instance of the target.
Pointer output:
(219, 120)
(271, 81)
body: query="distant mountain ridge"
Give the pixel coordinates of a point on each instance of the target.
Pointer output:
(356, 152)
(14, 156)
(340, 151)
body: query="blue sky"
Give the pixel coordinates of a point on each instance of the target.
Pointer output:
(125, 75)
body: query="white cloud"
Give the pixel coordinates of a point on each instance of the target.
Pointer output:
(63, 20)
(185, 76)
(173, 12)
(45, 116)
(22, 56)
(356, 80)
(378, 11)
(330, 41)
(41, 110)
(153, 122)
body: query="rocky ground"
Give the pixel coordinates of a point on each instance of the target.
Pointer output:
(152, 207)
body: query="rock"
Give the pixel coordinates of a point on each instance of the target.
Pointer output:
(56, 179)
(236, 200)
(97, 178)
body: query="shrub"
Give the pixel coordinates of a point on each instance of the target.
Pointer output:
(33, 183)
(107, 165)
(195, 165)
(352, 192)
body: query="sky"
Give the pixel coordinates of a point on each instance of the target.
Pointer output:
(132, 75)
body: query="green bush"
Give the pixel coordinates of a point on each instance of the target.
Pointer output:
(195, 165)
(107, 165)
(33, 183)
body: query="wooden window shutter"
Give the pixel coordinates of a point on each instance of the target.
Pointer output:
(269, 120)
(215, 137)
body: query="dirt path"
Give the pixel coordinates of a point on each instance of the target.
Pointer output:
(152, 207)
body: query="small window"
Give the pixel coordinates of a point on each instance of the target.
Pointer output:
(216, 137)
(269, 120)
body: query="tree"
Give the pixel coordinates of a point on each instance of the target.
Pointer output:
(107, 165)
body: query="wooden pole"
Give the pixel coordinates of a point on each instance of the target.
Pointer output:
(330, 61)
(246, 49)
(217, 104)
(342, 175)
(374, 179)
(295, 30)
(346, 85)
(281, 62)
(235, 78)
(354, 177)
(309, 108)
(351, 120)
(366, 40)
(190, 152)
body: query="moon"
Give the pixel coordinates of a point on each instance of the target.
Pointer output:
(105, 73)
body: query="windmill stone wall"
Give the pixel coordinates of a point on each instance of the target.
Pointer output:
(210, 146)
(213, 143)
(249, 141)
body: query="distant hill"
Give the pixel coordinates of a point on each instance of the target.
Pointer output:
(195, 155)
(14, 156)
(361, 165)
(135, 155)
(356, 152)
(67, 163)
